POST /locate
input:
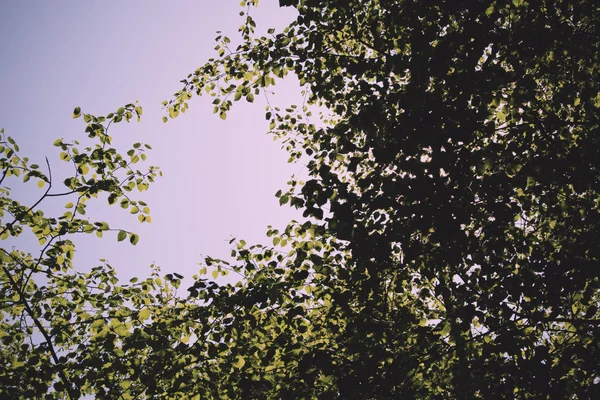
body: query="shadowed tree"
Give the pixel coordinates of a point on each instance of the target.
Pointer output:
(450, 247)
(458, 178)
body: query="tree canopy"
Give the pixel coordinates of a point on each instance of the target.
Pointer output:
(452, 213)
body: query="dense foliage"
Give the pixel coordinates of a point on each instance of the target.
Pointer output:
(453, 213)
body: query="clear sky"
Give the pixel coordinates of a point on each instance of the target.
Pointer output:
(220, 177)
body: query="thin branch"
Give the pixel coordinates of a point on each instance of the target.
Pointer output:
(61, 194)
(36, 203)
(4, 174)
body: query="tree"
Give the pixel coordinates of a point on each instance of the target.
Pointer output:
(59, 326)
(454, 194)
(451, 221)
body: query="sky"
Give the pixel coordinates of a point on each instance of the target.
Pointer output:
(219, 177)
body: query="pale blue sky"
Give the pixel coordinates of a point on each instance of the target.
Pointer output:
(219, 176)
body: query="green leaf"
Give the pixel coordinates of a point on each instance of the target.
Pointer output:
(76, 113)
(445, 330)
(134, 239)
(144, 314)
(239, 362)
(97, 323)
(121, 330)
(121, 236)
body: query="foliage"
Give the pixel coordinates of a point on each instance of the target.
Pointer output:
(60, 329)
(449, 248)
(454, 191)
